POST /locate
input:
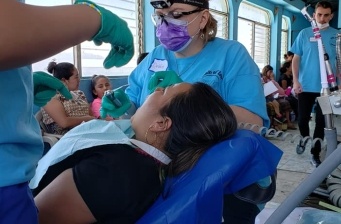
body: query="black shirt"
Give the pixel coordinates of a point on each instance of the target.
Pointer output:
(117, 183)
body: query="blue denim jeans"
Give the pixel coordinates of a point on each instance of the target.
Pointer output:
(17, 205)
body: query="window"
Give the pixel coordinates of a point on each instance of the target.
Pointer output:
(218, 9)
(66, 55)
(91, 57)
(254, 33)
(284, 38)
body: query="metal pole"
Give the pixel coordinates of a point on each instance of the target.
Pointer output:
(308, 185)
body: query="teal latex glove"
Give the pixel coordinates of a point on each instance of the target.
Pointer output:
(115, 31)
(114, 103)
(46, 87)
(163, 79)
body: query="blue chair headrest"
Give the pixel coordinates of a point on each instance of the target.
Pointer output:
(229, 166)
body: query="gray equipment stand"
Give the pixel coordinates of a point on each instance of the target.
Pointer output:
(330, 104)
(310, 183)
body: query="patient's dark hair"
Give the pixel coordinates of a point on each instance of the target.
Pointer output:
(201, 118)
(61, 70)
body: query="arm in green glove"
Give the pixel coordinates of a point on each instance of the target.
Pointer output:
(115, 31)
(46, 87)
(163, 79)
(115, 103)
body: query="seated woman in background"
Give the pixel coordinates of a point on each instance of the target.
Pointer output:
(117, 183)
(61, 114)
(99, 84)
(285, 108)
(268, 76)
(285, 79)
(286, 82)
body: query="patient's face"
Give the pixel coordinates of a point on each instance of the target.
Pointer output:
(148, 113)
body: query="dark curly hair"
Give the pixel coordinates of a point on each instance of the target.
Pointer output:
(61, 70)
(201, 118)
(285, 67)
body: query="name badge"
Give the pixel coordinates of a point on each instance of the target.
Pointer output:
(312, 39)
(158, 65)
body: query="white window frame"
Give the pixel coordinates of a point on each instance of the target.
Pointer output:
(284, 37)
(80, 55)
(219, 10)
(258, 45)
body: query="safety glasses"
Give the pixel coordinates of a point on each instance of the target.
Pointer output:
(158, 18)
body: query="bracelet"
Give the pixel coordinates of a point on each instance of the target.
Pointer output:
(90, 5)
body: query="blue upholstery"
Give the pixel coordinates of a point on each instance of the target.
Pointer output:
(196, 196)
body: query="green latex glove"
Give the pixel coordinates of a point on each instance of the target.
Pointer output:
(114, 103)
(163, 79)
(115, 31)
(46, 87)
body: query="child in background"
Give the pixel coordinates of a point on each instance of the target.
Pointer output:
(99, 84)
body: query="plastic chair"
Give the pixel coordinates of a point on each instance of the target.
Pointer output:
(196, 196)
(48, 138)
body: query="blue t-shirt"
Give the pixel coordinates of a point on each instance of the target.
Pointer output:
(223, 64)
(305, 46)
(21, 144)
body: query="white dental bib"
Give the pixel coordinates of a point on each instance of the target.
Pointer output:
(89, 134)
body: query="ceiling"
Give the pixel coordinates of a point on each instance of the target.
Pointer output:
(297, 5)
(335, 3)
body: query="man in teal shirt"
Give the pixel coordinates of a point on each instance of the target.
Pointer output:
(306, 73)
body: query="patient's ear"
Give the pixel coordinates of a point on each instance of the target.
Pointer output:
(162, 124)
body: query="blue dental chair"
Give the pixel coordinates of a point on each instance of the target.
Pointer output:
(235, 167)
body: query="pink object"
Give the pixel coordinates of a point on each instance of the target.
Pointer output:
(288, 91)
(96, 106)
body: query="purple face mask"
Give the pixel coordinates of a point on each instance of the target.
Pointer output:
(173, 34)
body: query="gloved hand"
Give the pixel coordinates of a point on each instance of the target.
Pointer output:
(163, 79)
(46, 87)
(114, 103)
(115, 31)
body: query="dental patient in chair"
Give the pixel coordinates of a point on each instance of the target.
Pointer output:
(115, 178)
